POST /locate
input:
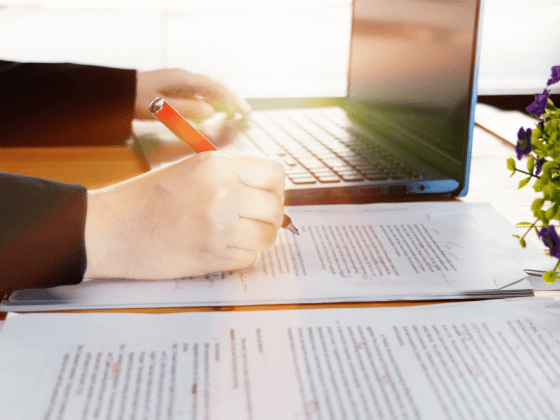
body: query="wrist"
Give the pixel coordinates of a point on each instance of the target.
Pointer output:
(102, 233)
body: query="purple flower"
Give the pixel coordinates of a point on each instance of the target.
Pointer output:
(523, 146)
(538, 165)
(538, 107)
(550, 238)
(555, 76)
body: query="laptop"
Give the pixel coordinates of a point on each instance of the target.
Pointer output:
(405, 127)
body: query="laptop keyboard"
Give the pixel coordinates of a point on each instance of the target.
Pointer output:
(322, 147)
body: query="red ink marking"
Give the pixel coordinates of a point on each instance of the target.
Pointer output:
(243, 280)
(114, 371)
(454, 244)
(550, 333)
(384, 379)
(463, 334)
(311, 407)
(474, 371)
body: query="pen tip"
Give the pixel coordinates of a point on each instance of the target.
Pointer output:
(287, 224)
(292, 229)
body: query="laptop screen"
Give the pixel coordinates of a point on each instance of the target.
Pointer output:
(410, 76)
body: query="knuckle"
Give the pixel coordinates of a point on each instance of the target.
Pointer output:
(278, 172)
(269, 234)
(245, 260)
(251, 258)
(278, 215)
(278, 168)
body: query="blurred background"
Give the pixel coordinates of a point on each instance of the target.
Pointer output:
(261, 48)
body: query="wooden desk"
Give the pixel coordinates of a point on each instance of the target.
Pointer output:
(96, 167)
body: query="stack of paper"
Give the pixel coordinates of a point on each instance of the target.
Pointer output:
(469, 360)
(344, 254)
(504, 124)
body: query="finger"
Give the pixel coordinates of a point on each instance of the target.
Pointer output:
(196, 109)
(252, 235)
(261, 205)
(237, 259)
(261, 173)
(219, 94)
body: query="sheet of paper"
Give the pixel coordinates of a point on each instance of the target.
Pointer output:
(504, 124)
(470, 360)
(344, 253)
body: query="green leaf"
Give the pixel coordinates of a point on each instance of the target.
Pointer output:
(531, 164)
(511, 164)
(524, 224)
(554, 210)
(537, 186)
(549, 191)
(537, 204)
(522, 242)
(550, 276)
(549, 166)
(543, 218)
(536, 134)
(524, 182)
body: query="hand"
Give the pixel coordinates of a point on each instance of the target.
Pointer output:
(193, 95)
(208, 213)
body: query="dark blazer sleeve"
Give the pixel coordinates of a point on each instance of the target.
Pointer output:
(42, 225)
(63, 104)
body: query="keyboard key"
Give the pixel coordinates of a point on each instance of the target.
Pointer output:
(308, 180)
(289, 161)
(348, 172)
(357, 160)
(322, 172)
(299, 175)
(302, 155)
(311, 163)
(328, 179)
(335, 163)
(366, 168)
(357, 177)
(325, 155)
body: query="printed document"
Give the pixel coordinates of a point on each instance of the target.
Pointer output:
(343, 253)
(470, 360)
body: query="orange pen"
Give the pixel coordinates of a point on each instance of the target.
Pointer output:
(188, 134)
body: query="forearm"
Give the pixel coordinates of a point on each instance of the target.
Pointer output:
(41, 232)
(65, 104)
